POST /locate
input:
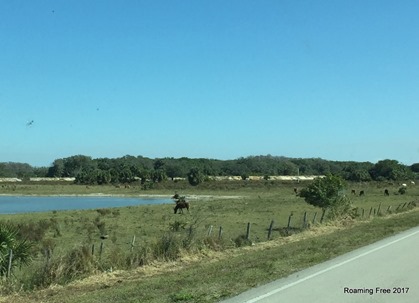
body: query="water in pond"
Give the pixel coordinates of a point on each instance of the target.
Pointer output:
(25, 204)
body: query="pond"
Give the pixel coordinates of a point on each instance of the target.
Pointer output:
(25, 204)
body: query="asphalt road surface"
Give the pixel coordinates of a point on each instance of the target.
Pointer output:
(386, 271)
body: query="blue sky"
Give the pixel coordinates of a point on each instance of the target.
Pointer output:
(337, 80)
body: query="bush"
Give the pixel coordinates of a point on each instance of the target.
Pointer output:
(328, 193)
(77, 263)
(242, 241)
(10, 240)
(168, 247)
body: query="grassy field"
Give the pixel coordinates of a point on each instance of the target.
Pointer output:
(174, 259)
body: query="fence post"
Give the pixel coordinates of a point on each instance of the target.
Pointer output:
(220, 232)
(248, 231)
(305, 220)
(101, 250)
(289, 221)
(314, 217)
(209, 231)
(93, 249)
(363, 212)
(379, 208)
(132, 243)
(270, 229)
(370, 212)
(48, 255)
(323, 214)
(388, 208)
(9, 266)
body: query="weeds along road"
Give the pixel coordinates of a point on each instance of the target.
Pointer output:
(386, 271)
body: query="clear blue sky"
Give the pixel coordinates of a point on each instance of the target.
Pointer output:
(332, 79)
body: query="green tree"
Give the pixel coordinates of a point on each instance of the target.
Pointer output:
(328, 193)
(390, 170)
(158, 175)
(195, 176)
(359, 175)
(415, 167)
(57, 168)
(11, 242)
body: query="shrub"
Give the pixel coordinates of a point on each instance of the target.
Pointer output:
(77, 263)
(11, 241)
(104, 211)
(242, 241)
(177, 225)
(168, 247)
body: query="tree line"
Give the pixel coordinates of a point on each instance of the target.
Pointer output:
(127, 169)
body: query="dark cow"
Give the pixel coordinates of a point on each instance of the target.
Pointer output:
(361, 193)
(181, 205)
(353, 192)
(296, 191)
(386, 192)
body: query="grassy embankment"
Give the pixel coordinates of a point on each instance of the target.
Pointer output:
(201, 274)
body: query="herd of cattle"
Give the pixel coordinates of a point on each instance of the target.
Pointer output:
(181, 202)
(362, 192)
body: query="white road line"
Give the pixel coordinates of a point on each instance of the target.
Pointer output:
(268, 294)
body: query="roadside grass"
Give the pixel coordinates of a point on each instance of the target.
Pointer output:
(234, 271)
(182, 242)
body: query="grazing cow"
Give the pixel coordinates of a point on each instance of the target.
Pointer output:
(181, 205)
(295, 190)
(386, 192)
(353, 192)
(361, 193)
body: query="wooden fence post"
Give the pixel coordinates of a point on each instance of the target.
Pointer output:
(289, 221)
(93, 249)
(220, 232)
(132, 243)
(314, 217)
(323, 214)
(209, 231)
(363, 212)
(101, 250)
(9, 266)
(48, 255)
(248, 231)
(270, 229)
(379, 208)
(370, 212)
(305, 220)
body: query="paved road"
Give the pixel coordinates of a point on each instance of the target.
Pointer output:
(386, 271)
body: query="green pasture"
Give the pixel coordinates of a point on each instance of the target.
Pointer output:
(135, 231)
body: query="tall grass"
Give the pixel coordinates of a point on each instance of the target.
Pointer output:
(71, 245)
